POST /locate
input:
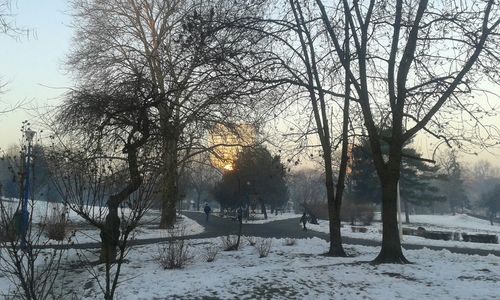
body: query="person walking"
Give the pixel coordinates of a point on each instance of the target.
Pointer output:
(303, 220)
(207, 210)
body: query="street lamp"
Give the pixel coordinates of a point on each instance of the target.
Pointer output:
(29, 135)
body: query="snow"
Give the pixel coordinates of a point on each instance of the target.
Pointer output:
(83, 233)
(457, 223)
(146, 230)
(300, 272)
(259, 219)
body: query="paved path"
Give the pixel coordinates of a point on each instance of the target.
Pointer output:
(290, 228)
(216, 227)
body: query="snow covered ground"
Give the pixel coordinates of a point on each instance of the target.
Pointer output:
(84, 233)
(457, 223)
(298, 271)
(294, 272)
(259, 218)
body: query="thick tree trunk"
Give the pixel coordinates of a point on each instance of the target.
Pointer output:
(169, 198)
(391, 251)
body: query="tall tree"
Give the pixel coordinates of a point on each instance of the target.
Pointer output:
(189, 51)
(301, 64)
(416, 63)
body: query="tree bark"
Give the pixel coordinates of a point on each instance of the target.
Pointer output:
(263, 209)
(336, 248)
(391, 251)
(407, 211)
(110, 236)
(170, 188)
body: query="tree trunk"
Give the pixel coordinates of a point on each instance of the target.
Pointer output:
(391, 251)
(110, 236)
(336, 248)
(169, 198)
(198, 198)
(407, 211)
(263, 209)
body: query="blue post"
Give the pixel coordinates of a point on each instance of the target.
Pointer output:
(24, 208)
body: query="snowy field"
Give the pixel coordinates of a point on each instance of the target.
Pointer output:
(293, 272)
(296, 271)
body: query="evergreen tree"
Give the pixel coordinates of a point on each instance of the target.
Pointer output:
(491, 201)
(417, 179)
(418, 182)
(454, 183)
(256, 174)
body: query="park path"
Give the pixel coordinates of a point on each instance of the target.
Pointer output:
(288, 228)
(291, 228)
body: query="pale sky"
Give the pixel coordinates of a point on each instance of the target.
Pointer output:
(34, 67)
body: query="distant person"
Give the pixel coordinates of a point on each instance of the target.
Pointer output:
(207, 210)
(303, 220)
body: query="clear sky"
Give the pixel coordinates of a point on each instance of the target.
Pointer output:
(33, 66)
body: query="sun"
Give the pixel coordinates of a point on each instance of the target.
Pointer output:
(227, 142)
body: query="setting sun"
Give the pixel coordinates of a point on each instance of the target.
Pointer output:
(228, 142)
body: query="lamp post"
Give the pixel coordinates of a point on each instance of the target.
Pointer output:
(29, 134)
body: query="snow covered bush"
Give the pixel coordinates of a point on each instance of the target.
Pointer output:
(211, 252)
(263, 247)
(251, 240)
(229, 242)
(290, 242)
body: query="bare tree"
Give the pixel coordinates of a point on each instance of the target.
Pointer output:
(305, 68)
(105, 174)
(416, 66)
(188, 50)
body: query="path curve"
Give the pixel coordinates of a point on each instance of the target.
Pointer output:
(288, 228)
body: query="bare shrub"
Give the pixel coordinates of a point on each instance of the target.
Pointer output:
(251, 240)
(211, 252)
(56, 223)
(263, 247)
(290, 242)
(319, 209)
(229, 242)
(175, 253)
(353, 212)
